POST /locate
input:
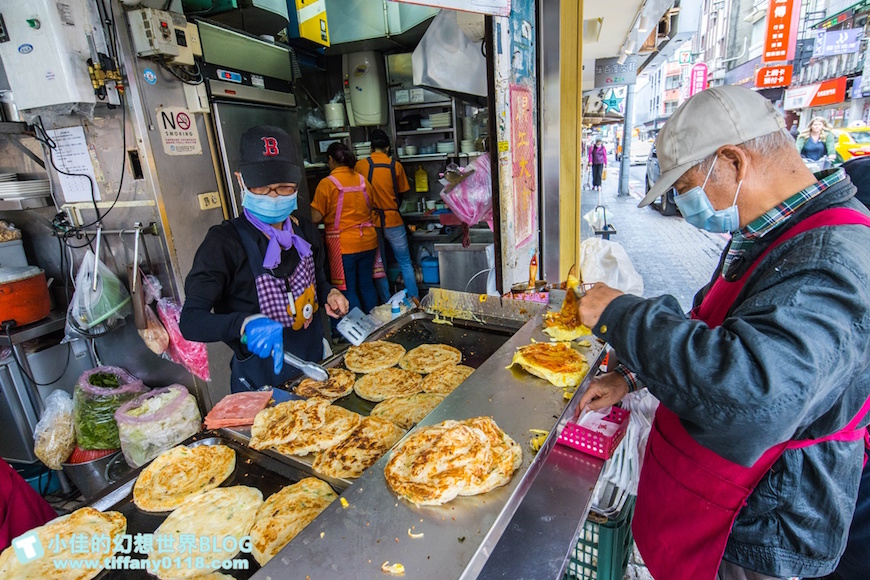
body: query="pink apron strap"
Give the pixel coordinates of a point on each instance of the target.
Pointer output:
(340, 204)
(847, 433)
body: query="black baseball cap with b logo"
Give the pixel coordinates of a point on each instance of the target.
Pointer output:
(268, 155)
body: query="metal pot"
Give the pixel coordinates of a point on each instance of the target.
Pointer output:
(23, 295)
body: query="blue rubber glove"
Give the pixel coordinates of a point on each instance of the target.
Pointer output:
(265, 338)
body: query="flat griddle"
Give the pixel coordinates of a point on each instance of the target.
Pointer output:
(252, 469)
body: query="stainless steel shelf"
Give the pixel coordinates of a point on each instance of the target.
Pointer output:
(428, 157)
(436, 130)
(410, 106)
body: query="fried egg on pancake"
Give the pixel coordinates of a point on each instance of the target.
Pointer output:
(180, 472)
(427, 357)
(555, 362)
(86, 522)
(443, 380)
(283, 422)
(407, 411)
(339, 424)
(285, 513)
(373, 356)
(339, 384)
(388, 383)
(364, 447)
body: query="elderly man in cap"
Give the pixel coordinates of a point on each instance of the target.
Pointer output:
(755, 455)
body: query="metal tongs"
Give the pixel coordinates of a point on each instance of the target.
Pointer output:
(309, 369)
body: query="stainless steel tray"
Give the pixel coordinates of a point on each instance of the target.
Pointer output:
(252, 469)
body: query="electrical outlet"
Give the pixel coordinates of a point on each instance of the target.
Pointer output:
(209, 200)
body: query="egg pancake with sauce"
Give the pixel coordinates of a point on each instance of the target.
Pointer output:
(339, 424)
(86, 522)
(364, 447)
(388, 383)
(373, 356)
(555, 362)
(443, 380)
(407, 411)
(339, 384)
(181, 472)
(283, 422)
(565, 325)
(427, 357)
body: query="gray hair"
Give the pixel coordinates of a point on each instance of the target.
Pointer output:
(768, 145)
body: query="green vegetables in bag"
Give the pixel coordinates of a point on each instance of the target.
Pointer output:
(97, 396)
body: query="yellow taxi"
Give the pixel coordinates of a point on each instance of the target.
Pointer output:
(852, 142)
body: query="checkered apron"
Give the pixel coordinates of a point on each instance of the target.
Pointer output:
(333, 235)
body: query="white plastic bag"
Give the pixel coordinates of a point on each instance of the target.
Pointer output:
(605, 261)
(597, 218)
(54, 437)
(95, 304)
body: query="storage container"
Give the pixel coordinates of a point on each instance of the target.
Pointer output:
(430, 270)
(603, 548)
(12, 254)
(601, 442)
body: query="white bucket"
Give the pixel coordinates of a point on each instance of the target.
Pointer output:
(334, 115)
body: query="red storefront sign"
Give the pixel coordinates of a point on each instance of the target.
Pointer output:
(817, 95)
(781, 35)
(697, 78)
(773, 76)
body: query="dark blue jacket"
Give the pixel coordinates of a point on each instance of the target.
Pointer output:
(790, 361)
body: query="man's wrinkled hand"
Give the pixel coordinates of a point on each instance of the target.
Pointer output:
(336, 304)
(595, 301)
(604, 390)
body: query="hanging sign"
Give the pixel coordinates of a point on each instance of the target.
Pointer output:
(831, 42)
(781, 35)
(698, 78)
(815, 95)
(609, 73)
(178, 131)
(773, 76)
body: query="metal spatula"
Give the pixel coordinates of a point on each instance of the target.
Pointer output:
(356, 326)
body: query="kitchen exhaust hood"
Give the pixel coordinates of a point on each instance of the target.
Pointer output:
(449, 62)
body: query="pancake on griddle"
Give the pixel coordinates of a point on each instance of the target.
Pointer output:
(553, 361)
(283, 422)
(376, 355)
(427, 357)
(181, 472)
(85, 522)
(339, 424)
(407, 411)
(339, 384)
(443, 380)
(388, 383)
(364, 447)
(285, 513)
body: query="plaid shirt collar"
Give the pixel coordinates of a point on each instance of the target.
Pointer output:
(742, 240)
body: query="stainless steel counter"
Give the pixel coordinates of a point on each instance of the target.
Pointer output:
(459, 537)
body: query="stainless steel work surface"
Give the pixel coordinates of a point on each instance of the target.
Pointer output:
(458, 537)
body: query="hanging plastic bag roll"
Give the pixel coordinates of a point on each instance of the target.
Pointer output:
(100, 299)
(471, 199)
(192, 355)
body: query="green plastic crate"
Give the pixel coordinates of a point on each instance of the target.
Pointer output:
(603, 547)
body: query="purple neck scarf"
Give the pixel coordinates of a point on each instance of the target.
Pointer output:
(285, 238)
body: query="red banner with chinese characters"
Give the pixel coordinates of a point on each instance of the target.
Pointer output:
(781, 35)
(773, 76)
(697, 78)
(523, 156)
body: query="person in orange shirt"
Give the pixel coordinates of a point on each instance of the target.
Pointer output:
(342, 202)
(389, 185)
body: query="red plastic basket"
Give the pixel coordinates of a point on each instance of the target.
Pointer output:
(593, 443)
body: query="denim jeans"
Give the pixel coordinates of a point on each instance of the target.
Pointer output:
(360, 291)
(398, 241)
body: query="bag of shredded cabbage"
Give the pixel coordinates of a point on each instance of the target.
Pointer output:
(54, 436)
(156, 421)
(98, 394)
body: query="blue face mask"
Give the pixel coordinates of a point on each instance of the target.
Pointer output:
(271, 210)
(698, 211)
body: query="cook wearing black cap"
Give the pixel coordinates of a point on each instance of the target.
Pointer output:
(261, 276)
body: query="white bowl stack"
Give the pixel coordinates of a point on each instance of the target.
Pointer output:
(410, 150)
(445, 147)
(363, 149)
(440, 120)
(467, 146)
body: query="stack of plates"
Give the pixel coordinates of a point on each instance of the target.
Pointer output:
(446, 147)
(11, 189)
(410, 150)
(8, 177)
(363, 149)
(467, 146)
(440, 120)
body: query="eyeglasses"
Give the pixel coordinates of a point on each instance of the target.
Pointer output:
(280, 190)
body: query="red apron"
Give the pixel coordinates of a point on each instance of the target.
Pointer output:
(688, 497)
(21, 508)
(333, 236)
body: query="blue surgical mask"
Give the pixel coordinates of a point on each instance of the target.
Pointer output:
(271, 210)
(698, 211)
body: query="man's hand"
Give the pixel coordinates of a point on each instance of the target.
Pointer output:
(604, 390)
(336, 304)
(595, 301)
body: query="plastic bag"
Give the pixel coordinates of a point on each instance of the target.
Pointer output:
(606, 261)
(471, 199)
(98, 394)
(153, 288)
(154, 335)
(54, 437)
(9, 232)
(96, 310)
(192, 355)
(154, 422)
(314, 120)
(597, 218)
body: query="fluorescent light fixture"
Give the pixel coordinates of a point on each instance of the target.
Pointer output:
(644, 24)
(630, 46)
(621, 59)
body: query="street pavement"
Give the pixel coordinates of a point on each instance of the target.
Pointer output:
(672, 256)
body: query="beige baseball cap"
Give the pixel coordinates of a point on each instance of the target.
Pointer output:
(726, 115)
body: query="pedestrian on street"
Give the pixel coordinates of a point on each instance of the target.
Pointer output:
(794, 129)
(755, 455)
(817, 141)
(598, 160)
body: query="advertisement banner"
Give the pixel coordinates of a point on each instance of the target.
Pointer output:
(697, 78)
(609, 73)
(816, 95)
(773, 76)
(833, 42)
(781, 34)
